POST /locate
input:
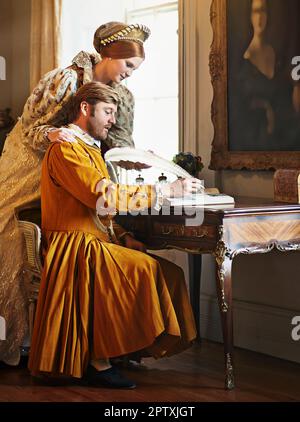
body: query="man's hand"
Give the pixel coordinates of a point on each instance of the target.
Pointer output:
(131, 243)
(182, 187)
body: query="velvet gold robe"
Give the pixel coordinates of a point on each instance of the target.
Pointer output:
(99, 299)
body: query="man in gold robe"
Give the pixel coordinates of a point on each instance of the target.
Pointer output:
(101, 295)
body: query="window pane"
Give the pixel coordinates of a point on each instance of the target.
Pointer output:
(155, 85)
(80, 19)
(160, 68)
(156, 126)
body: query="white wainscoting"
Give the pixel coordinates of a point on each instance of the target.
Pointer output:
(261, 328)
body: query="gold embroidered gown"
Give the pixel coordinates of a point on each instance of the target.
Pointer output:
(98, 299)
(20, 167)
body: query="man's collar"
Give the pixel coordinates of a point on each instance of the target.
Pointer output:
(84, 136)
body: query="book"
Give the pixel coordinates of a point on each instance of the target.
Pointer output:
(206, 200)
(287, 185)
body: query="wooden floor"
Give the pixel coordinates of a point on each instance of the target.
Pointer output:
(194, 376)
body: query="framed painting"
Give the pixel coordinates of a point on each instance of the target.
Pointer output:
(255, 72)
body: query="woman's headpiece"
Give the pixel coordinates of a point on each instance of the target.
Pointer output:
(117, 31)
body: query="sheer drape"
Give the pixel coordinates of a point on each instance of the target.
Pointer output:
(189, 74)
(45, 38)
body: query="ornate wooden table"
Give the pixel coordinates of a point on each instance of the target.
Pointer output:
(252, 226)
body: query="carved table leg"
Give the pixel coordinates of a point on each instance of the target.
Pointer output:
(224, 291)
(195, 264)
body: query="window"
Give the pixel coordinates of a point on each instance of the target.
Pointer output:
(80, 19)
(155, 84)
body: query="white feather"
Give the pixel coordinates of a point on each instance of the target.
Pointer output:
(149, 158)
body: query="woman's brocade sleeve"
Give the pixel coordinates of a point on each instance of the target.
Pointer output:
(47, 101)
(120, 135)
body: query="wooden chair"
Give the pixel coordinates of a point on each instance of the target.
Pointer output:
(29, 221)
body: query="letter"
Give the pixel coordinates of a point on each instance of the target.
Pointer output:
(296, 71)
(184, 411)
(172, 411)
(2, 329)
(107, 412)
(135, 412)
(191, 409)
(158, 410)
(2, 69)
(296, 330)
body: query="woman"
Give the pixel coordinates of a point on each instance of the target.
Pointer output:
(263, 103)
(121, 51)
(259, 52)
(261, 55)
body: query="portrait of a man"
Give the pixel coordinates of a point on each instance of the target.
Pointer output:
(263, 97)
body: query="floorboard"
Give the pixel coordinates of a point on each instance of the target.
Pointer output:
(193, 376)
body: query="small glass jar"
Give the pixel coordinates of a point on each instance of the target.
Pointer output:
(139, 180)
(162, 178)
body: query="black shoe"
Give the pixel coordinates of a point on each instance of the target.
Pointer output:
(110, 378)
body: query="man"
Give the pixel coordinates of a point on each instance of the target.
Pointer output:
(101, 296)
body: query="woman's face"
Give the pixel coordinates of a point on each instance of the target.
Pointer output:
(259, 16)
(120, 69)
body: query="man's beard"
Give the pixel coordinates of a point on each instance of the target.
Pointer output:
(93, 132)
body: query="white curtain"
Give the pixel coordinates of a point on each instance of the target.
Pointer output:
(189, 17)
(45, 38)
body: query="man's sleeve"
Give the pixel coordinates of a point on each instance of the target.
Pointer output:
(70, 167)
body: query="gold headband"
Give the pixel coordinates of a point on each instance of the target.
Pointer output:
(135, 32)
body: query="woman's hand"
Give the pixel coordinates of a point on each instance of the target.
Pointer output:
(182, 187)
(61, 135)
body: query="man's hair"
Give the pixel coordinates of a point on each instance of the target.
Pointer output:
(92, 93)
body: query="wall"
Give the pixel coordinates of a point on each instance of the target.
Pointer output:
(266, 288)
(6, 51)
(20, 54)
(15, 47)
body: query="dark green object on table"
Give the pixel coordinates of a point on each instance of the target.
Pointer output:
(189, 162)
